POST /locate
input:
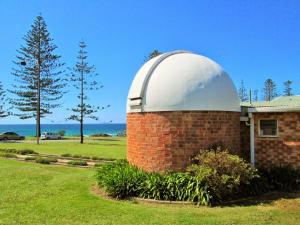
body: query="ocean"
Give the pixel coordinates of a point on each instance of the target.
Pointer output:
(70, 129)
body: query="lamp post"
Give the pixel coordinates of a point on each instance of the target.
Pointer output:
(38, 107)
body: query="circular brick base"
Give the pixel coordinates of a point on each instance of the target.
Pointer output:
(160, 141)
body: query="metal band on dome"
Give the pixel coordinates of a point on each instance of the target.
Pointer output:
(137, 101)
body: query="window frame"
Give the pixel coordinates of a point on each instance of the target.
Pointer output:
(269, 136)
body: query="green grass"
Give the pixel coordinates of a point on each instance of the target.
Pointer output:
(44, 194)
(112, 147)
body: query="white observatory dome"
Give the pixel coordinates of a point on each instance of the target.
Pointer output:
(182, 81)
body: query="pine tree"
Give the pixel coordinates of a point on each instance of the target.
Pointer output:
(287, 88)
(153, 54)
(270, 91)
(243, 92)
(3, 110)
(38, 76)
(83, 78)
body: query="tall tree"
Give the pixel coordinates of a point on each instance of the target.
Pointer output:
(287, 88)
(153, 54)
(255, 95)
(38, 83)
(83, 77)
(3, 110)
(243, 92)
(270, 90)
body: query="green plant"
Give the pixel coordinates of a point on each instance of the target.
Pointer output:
(121, 180)
(282, 177)
(19, 152)
(8, 155)
(42, 160)
(52, 159)
(77, 163)
(62, 133)
(25, 152)
(77, 156)
(29, 158)
(66, 155)
(222, 173)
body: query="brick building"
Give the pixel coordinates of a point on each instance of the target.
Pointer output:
(272, 136)
(181, 102)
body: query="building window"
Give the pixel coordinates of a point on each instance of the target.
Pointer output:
(268, 128)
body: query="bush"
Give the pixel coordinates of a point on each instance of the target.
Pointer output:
(77, 163)
(20, 152)
(77, 156)
(222, 172)
(29, 158)
(42, 160)
(100, 135)
(121, 180)
(282, 178)
(8, 155)
(66, 155)
(26, 152)
(95, 158)
(62, 133)
(52, 159)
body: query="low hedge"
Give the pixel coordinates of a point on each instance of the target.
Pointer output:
(46, 160)
(77, 163)
(42, 160)
(214, 177)
(121, 180)
(30, 158)
(7, 155)
(19, 152)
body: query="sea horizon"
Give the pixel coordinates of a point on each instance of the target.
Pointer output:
(71, 129)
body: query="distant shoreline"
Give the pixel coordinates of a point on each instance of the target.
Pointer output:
(29, 130)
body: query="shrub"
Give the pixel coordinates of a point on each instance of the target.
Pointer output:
(29, 158)
(42, 160)
(26, 152)
(66, 155)
(175, 187)
(121, 180)
(78, 163)
(62, 133)
(77, 156)
(8, 155)
(85, 157)
(282, 178)
(52, 159)
(222, 172)
(20, 152)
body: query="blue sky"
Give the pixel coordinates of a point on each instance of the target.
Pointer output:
(252, 39)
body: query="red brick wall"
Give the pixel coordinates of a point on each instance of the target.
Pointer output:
(160, 141)
(284, 149)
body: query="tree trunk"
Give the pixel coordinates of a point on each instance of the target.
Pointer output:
(81, 132)
(38, 108)
(82, 107)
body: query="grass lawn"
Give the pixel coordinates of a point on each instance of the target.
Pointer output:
(112, 147)
(42, 194)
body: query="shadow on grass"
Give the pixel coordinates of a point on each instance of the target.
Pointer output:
(266, 198)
